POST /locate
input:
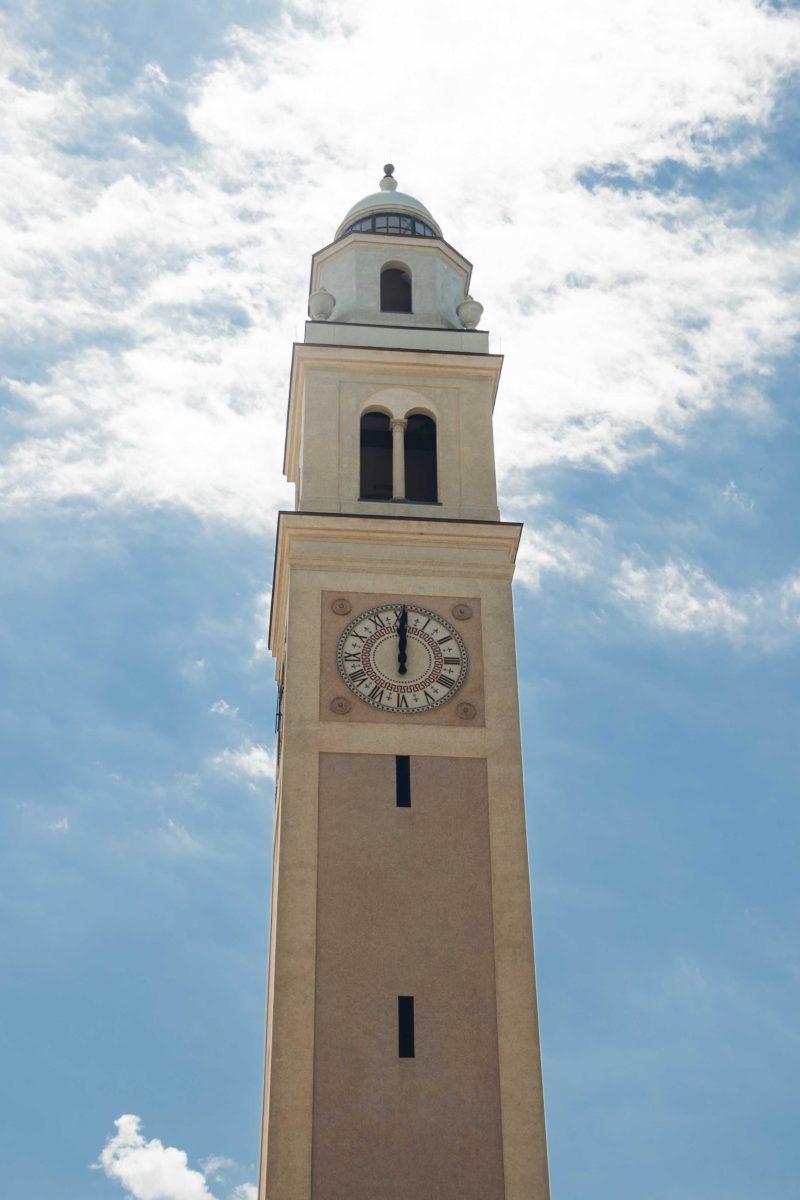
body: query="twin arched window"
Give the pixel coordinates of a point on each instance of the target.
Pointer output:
(418, 449)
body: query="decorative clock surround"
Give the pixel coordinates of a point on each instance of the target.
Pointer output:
(402, 658)
(444, 667)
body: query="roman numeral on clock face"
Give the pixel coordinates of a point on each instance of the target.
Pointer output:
(444, 682)
(358, 675)
(450, 660)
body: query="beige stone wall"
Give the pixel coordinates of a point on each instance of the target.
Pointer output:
(404, 907)
(333, 385)
(435, 561)
(350, 270)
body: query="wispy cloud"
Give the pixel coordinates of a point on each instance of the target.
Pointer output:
(679, 596)
(263, 606)
(789, 599)
(738, 498)
(60, 826)
(166, 283)
(251, 760)
(558, 548)
(178, 836)
(217, 1165)
(223, 709)
(676, 595)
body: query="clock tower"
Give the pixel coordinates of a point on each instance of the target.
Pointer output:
(402, 1056)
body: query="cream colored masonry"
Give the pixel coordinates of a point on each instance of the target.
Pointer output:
(350, 269)
(332, 385)
(319, 553)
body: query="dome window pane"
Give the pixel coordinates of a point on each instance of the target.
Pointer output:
(391, 223)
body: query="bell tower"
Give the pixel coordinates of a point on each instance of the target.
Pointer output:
(402, 1056)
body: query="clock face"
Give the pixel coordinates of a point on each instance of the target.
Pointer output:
(375, 648)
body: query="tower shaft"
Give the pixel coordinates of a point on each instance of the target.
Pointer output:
(402, 1038)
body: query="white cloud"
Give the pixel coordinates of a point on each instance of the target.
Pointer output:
(149, 1170)
(250, 759)
(216, 1165)
(676, 595)
(60, 826)
(789, 600)
(739, 499)
(245, 1191)
(558, 548)
(222, 708)
(679, 596)
(169, 282)
(263, 606)
(178, 836)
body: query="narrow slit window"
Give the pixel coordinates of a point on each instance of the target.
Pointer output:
(405, 1026)
(402, 772)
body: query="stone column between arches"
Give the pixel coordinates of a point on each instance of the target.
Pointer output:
(399, 458)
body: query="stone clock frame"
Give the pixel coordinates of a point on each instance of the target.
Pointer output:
(466, 706)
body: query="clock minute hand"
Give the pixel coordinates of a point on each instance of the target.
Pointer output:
(402, 641)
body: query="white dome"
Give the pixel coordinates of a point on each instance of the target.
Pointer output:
(388, 200)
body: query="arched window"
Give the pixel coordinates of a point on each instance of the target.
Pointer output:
(376, 457)
(395, 290)
(420, 455)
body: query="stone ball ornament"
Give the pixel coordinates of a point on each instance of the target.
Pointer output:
(388, 183)
(321, 304)
(341, 607)
(341, 706)
(461, 612)
(469, 312)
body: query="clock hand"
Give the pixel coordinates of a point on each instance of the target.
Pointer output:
(402, 626)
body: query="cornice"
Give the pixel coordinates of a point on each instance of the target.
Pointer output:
(384, 239)
(419, 546)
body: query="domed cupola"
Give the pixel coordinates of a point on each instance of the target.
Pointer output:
(389, 266)
(389, 212)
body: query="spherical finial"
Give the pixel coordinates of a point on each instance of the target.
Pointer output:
(388, 183)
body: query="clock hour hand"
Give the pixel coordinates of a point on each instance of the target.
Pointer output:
(402, 640)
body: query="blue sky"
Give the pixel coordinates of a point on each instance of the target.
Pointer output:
(625, 180)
